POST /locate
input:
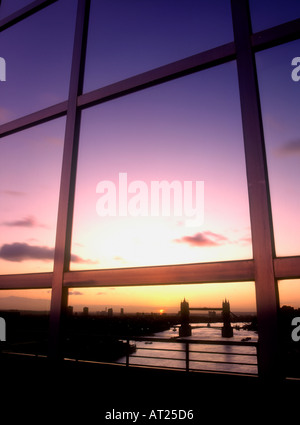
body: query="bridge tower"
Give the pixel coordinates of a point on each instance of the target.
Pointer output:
(227, 331)
(185, 328)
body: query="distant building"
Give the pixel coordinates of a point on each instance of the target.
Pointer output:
(185, 327)
(110, 312)
(85, 311)
(227, 331)
(70, 310)
(212, 315)
(122, 311)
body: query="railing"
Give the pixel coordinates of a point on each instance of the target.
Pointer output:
(176, 353)
(188, 357)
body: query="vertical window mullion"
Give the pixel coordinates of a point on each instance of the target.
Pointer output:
(258, 191)
(59, 297)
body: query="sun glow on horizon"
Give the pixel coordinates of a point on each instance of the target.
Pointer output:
(147, 299)
(151, 298)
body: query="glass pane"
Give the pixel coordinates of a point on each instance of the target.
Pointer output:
(8, 7)
(29, 188)
(127, 38)
(37, 52)
(162, 299)
(188, 130)
(289, 296)
(26, 320)
(266, 14)
(280, 101)
(101, 320)
(289, 293)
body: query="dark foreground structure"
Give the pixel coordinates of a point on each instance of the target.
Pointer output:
(85, 391)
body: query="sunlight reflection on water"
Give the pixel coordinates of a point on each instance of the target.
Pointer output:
(201, 357)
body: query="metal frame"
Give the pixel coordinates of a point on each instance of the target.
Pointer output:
(186, 358)
(264, 269)
(24, 13)
(267, 301)
(62, 255)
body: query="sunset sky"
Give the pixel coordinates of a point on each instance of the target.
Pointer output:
(185, 130)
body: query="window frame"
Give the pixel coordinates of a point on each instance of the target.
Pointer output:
(264, 269)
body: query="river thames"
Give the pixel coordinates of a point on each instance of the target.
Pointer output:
(206, 357)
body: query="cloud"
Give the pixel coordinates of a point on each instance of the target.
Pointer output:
(55, 140)
(209, 238)
(76, 259)
(75, 293)
(12, 192)
(290, 148)
(5, 114)
(18, 252)
(217, 237)
(29, 221)
(203, 239)
(246, 240)
(25, 303)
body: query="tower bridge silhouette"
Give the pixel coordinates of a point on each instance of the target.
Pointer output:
(185, 327)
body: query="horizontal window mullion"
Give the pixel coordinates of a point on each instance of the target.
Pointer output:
(33, 119)
(23, 13)
(275, 36)
(229, 271)
(287, 267)
(26, 281)
(186, 66)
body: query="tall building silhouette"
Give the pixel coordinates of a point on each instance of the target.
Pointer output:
(227, 331)
(185, 328)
